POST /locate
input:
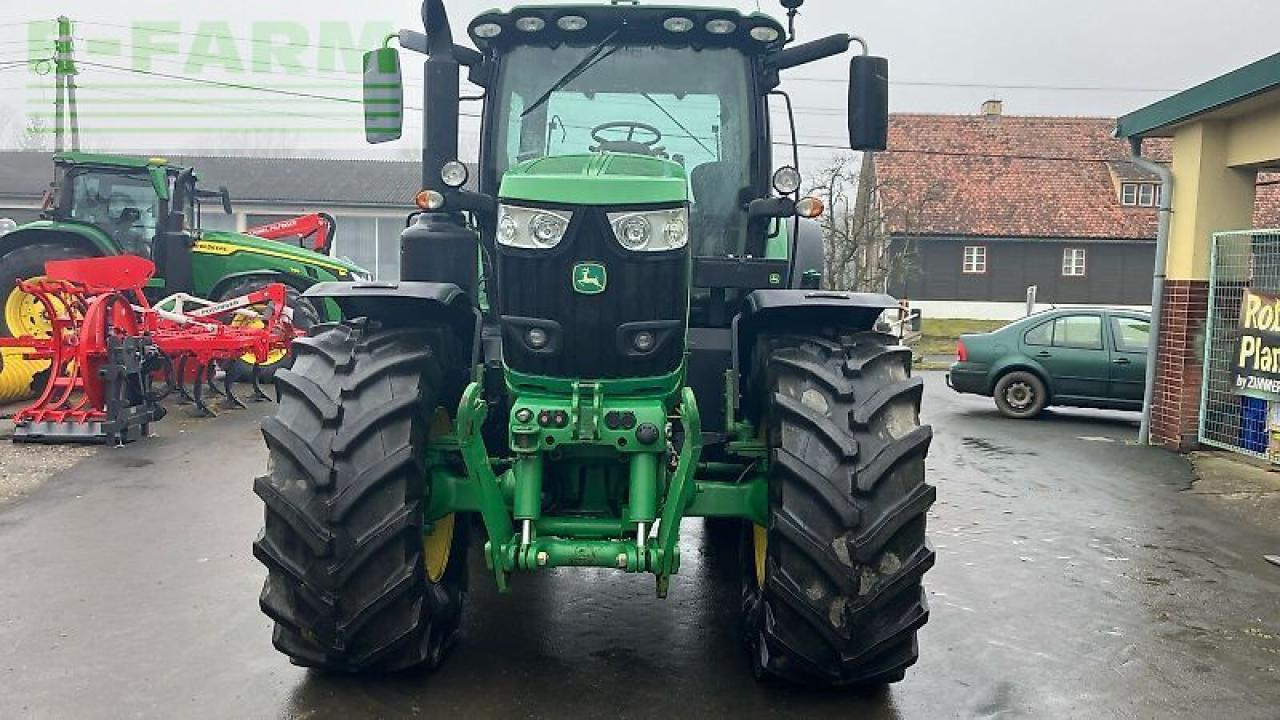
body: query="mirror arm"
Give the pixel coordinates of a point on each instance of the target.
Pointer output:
(768, 208)
(811, 51)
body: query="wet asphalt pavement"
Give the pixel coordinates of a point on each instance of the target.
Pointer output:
(1074, 579)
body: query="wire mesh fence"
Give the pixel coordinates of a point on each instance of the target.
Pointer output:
(1234, 405)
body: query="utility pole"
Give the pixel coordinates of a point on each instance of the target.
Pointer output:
(65, 76)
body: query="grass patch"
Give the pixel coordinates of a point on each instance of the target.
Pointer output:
(938, 335)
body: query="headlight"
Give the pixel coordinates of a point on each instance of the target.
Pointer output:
(531, 228)
(651, 230)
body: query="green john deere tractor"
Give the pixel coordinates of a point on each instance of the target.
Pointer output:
(614, 332)
(115, 205)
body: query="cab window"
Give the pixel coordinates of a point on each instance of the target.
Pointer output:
(1083, 332)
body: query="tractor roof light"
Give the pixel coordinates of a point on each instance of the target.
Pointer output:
(809, 207)
(677, 24)
(786, 180)
(721, 26)
(454, 174)
(765, 33)
(571, 23)
(530, 24)
(487, 30)
(429, 200)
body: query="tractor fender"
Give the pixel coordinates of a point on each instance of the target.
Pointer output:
(406, 304)
(802, 311)
(90, 239)
(301, 284)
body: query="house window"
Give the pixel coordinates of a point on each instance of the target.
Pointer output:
(975, 259)
(1133, 194)
(1073, 262)
(1147, 195)
(1129, 194)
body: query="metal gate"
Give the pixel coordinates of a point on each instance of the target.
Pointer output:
(1242, 260)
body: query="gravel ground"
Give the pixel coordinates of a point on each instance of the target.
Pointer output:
(23, 468)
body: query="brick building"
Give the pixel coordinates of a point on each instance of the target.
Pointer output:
(1225, 137)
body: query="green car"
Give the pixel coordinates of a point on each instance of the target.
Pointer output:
(1081, 357)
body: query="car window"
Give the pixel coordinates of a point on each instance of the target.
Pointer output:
(1041, 334)
(1078, 331)
(1131, 333)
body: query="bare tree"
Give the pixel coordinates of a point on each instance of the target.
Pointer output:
(860, 254)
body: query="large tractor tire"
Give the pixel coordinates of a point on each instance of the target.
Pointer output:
(305, 317)
(832, 590)
(20, 314)
(355, 581)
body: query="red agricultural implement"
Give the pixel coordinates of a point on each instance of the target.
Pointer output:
(107, 344)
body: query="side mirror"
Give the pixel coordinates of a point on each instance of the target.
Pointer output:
(226, 199)
(868, 103)
(383, 96)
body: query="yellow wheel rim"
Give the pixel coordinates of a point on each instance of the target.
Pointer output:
(760, 541)
(244, 321)
(437, 545)
(24, 315)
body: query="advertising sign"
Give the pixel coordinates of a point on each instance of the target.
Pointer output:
(1256, 363)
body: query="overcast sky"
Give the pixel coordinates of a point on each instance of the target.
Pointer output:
(1084, 57)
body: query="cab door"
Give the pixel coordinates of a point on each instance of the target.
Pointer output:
(1077, 358)
(1129, 334)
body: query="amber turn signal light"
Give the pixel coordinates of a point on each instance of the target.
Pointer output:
(429, 200)
(809, 207)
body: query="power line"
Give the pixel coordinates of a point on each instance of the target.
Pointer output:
(241, 86)
(997, 86)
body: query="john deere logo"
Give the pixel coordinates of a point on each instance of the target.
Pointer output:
(589, 278)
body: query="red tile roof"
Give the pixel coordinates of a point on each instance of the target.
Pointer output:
(1010, 176)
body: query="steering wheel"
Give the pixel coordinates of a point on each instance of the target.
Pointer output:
(630, 144)
(126, 203)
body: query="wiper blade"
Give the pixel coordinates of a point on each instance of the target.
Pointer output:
(594, 56)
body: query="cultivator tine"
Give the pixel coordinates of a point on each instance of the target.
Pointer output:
(198, 392)
(229, 391)
(209, 371)
(184, 396)
(258, 394)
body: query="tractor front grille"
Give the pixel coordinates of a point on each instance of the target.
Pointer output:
(536, 286)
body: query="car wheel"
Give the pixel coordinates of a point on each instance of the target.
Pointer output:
(1020, 395)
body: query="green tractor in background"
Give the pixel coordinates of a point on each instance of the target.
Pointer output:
(617, 331)
(114, 205)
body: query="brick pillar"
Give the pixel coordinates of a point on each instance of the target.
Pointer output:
(1175, 407)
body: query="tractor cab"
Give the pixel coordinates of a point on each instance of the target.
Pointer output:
(143, 206)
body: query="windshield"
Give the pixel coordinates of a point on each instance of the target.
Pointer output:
(691, 106)
(123, 205)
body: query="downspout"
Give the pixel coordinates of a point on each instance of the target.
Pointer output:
(1157, 279)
